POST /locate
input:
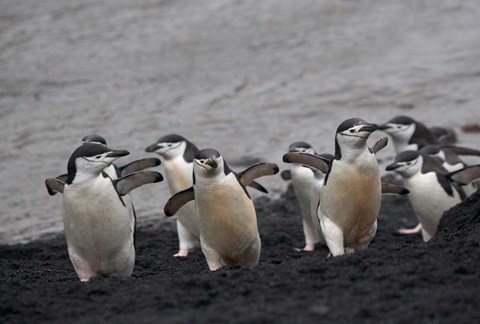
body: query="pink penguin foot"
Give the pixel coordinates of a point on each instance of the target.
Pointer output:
(309, 247)
(415, 230)
(181, 253)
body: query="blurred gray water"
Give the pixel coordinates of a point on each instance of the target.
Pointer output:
(245, 77)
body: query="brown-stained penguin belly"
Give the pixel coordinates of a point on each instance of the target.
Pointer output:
(228, 221)
(351, 199)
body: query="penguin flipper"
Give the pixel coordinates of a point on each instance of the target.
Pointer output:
(134, 180)
(310, 160)
(459, 150)
(62, 178)
(256, 171)
(257, 186)
(54, 186)
(178, 200)
(138, 165)
(379, 145)
(391, 189)
(466, 175)
(286, 175)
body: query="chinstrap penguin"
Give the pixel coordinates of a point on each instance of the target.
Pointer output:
(99, 228)
(351, 194)
(432, 189)
(227, 218)
(307, 186)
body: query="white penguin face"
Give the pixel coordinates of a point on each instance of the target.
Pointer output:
(208, 167)
(406, 167)
(304, 150)
(171, 150)
(96, 163)
(90, 159)
(355, 135)
(399, 132)
(301, 147)
(208, 163)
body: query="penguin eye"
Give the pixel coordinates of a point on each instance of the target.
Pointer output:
(352, 131)
(98, 156)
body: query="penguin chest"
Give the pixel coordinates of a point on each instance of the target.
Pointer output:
(179, 175)
(351, 198)
(227, 218)
(302, 182)
(428, 199)
(95, 219)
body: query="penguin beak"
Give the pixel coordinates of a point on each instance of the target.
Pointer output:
(153, 148)
(392, 167)
(117, 153)
(383, 127)
(370, 128)
(212, 163)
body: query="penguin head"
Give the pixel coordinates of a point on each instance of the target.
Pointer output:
(91, 159)
(352, 134)
(355, 128)
(437, 152)
(301, 147)
(208, 163)
(407, 163)
(431, 149)
(444, 135)
(173, 145)
(400, 128)
(94, 138)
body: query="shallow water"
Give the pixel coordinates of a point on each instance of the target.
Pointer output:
(245, 77)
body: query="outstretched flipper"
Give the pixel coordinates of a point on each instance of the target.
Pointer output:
(178, 200)
(54, 185)
(310, 160)
(134, 180)
(138, 165)
(460, 150)
(256, 171)
(379, 145)
(466, 175)
(258, 186)
(391, 189)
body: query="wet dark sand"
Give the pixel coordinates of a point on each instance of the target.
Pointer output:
(399, 279)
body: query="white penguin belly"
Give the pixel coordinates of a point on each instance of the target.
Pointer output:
(429, 200)
(302, 180)
(98, 228)
(351, 199)
(180, 177)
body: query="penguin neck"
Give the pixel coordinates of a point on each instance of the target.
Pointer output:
(178, 173)
(86, 177)
(204, 180)
(401, 146)
(351, 152)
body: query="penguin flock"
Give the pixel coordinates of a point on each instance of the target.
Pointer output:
(339, 194)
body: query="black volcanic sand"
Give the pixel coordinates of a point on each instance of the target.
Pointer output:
(397, 279)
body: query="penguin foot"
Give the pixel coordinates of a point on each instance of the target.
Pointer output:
(407, 231)
(181, 253)
(309, 247)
